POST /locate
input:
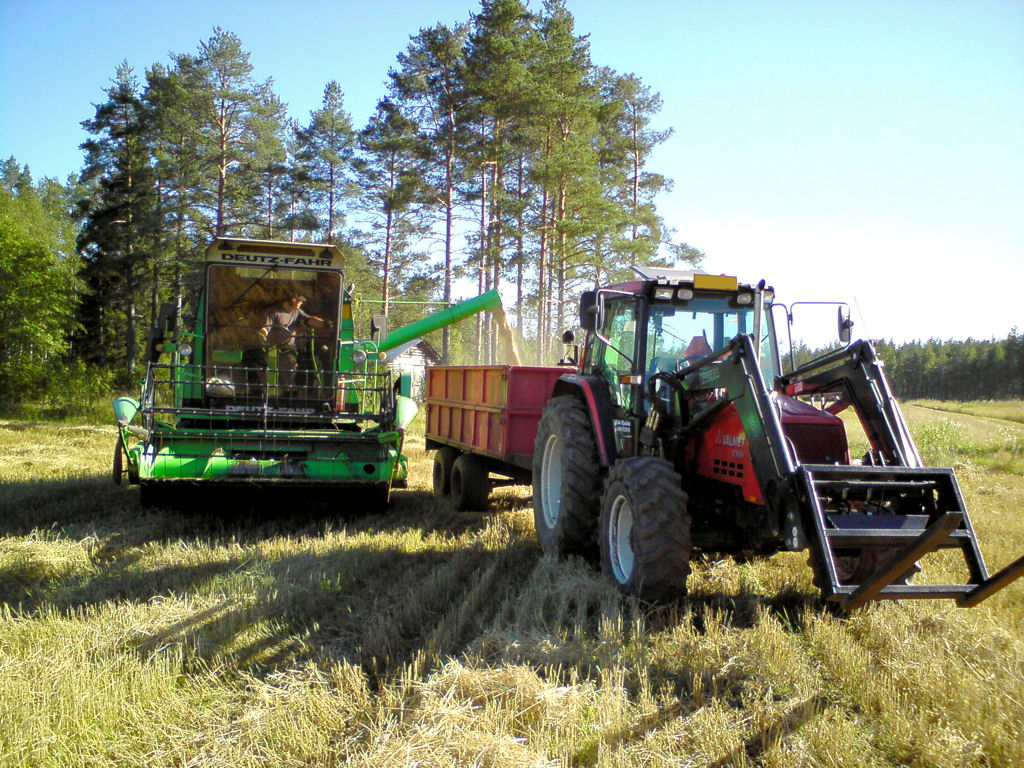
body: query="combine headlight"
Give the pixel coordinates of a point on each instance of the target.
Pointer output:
(744, 298)
(358, 356)
(185, 349)
(684, 294)
(663, 294)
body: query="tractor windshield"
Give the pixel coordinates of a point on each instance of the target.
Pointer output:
(680, 335)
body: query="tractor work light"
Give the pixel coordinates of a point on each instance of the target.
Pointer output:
(358, 356)
(663, 294)
(744, 298)
(185, 349)
(684, 294)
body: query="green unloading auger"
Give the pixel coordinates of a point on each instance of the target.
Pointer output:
(453, 314)
(398, 341)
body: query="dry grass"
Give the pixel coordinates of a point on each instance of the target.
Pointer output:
(1006, 410)
(425, 637)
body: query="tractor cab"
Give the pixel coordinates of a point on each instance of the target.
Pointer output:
(669, 321)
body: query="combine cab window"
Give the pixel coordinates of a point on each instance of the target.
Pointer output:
(239, 299)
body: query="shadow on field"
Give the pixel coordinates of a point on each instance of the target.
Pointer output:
(379, 608)
(744, 607)
(259, 582)
(54, 504)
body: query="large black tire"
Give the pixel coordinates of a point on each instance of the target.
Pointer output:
(444, 460)
(645, 529)
(471, 485)
(566, 479)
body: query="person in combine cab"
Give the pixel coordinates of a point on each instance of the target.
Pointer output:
(278, 332)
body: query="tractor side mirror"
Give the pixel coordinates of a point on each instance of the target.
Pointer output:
(845, 324)
(573, 357)
(379, 328)
(590, 311)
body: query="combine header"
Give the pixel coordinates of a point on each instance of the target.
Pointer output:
(271, 389)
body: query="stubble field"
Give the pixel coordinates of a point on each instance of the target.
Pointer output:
(425, 637)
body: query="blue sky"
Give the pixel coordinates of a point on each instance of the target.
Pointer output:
(871, 152)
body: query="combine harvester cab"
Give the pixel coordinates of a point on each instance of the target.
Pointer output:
(249, 400)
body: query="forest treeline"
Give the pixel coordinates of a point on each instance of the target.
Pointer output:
(498, 156)
(990, 369)
(986, 369)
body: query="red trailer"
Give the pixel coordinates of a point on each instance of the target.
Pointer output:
(482, 420)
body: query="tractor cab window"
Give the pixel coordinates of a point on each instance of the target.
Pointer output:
(239, 301)
(614, 360)
(680, 335)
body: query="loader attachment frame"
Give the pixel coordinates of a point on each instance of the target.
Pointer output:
(890, 510)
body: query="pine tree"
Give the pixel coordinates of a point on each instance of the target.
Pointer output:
(499, 53)
(267, 171)
(567, 167)
(325, 150)
(429, 88)
(121, 222)
(390, 178)
(227, 104)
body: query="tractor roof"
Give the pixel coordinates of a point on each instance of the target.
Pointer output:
(667, 276)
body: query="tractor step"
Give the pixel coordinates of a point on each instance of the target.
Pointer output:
(900, 514)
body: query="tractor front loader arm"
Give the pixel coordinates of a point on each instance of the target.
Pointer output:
(867, 525)
(734, 374)
(855, 374)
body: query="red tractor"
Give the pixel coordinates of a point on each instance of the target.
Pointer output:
(681, 432)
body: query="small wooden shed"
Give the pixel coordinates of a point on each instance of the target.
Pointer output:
(416, 361)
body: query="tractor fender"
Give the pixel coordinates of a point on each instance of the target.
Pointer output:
(593, 391)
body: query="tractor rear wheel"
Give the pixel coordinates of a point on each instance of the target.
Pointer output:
(645, 529)
(444, 460)
(471, 484)
(566, 479)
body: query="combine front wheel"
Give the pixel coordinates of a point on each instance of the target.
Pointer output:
(645, 529)
(118, 468)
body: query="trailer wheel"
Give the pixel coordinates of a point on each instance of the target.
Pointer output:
(645, 529)
(566, 479)
(444, 459)
(470, 483)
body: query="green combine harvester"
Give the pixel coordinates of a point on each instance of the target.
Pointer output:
(271, 389)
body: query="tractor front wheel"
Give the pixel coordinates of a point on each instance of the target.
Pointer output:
(566, 479)
(645, 529)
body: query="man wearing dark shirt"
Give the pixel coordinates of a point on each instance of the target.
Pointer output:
(278, 332)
